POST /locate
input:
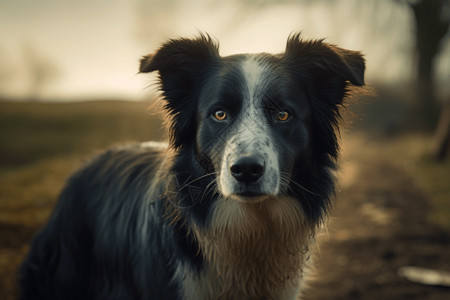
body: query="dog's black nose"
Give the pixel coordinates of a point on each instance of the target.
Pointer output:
(248, 168)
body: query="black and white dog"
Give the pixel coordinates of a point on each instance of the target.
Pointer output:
(229, 209)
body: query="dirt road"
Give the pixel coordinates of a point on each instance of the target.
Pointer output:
(377, 226)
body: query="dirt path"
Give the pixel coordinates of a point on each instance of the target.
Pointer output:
(377, 226)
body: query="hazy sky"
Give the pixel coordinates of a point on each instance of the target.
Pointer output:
(91, 42)
(95, 45)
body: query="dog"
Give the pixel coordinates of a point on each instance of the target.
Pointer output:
(228, 209)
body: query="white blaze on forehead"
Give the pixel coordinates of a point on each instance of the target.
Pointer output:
(252, 116)
(253, 70)
(251, 125)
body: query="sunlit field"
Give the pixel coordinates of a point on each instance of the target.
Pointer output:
(41, 144)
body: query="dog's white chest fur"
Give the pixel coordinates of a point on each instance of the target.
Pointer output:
(206, 286)
(251, 251)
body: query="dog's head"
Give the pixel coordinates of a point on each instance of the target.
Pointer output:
(264, 124)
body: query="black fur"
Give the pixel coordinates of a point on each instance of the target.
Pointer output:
(121, 225)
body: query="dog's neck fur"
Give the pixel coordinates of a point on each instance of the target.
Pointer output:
(249, 250)
(254, 250)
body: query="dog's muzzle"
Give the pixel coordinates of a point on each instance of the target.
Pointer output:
(249, 169)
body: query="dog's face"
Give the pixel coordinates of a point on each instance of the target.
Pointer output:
(252, 124)
(258, 122)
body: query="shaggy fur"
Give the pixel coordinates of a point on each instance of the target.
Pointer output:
(229, 209)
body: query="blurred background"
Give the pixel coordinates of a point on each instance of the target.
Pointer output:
(69, 88)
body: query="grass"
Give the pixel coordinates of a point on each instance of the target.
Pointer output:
(411, 152)
(30, 132)
(387, 129)
(42, 143)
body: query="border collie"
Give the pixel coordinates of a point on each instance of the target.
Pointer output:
(229, 209)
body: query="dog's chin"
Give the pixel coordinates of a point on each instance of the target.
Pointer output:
(250, 197)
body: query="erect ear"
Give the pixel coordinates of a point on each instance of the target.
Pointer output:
(183, 65)
(323, 59)
(145, 65)
(325, 71)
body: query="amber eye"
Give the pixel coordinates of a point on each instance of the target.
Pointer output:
(220, 115)
(283, 116)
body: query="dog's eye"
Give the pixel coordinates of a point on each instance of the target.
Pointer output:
(283, 116)
(220, 115)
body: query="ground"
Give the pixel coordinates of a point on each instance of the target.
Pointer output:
(379, 224)
(385, 215)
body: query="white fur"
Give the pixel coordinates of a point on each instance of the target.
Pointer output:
(243, 220)
(203, 285)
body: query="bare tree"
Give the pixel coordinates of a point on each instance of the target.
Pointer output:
(432, 21)
(8, 73)
(41, 71)
(432, 25)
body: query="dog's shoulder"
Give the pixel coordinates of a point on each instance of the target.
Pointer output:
(124, 161)
(117, 173)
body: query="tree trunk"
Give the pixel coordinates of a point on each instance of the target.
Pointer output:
(430, 30)
(442, 136)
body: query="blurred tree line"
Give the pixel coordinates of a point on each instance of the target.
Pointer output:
(37, 71)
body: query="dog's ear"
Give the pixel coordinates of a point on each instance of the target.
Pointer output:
(183, 65)
(323, 60)
(325, 71)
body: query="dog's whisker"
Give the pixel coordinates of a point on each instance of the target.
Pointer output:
(195, 180)
(210, 185)
(284, 184)
(298, 184)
